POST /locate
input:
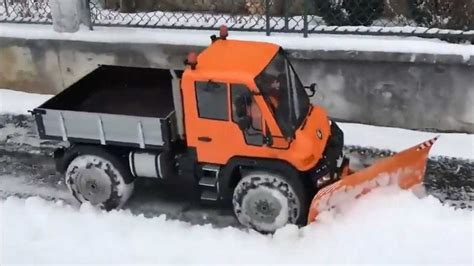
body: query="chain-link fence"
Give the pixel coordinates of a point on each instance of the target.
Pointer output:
(25, 11)
(425, 18)
(449, 19)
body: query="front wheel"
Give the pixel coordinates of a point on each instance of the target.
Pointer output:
(266, 201)
(98, 179)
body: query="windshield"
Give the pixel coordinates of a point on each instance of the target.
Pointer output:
(284, 93)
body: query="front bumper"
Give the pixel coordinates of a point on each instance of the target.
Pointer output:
(333, 162)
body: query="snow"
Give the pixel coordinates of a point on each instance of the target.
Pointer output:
(326, 42)
(395, 139)
(385, 226)
(16, 102)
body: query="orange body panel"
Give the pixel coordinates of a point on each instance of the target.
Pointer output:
(234, 56)
(239, 62)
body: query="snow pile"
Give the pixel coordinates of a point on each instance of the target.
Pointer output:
(386, 226)
(397, 139)
(16, 102)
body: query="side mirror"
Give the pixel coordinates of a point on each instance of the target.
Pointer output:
(312, 89)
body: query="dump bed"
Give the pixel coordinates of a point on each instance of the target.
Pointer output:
(113, 105)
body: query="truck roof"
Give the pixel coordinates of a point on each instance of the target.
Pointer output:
(235, 55)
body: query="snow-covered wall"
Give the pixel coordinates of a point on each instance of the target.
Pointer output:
(404, 87)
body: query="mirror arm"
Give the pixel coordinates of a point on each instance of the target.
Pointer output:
(312, 89)
(267, 139)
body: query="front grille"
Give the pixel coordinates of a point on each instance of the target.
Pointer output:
(328, 163)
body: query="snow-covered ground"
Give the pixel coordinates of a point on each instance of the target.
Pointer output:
(326, 42)
(384, 227)
(16, 102)
(457, 145)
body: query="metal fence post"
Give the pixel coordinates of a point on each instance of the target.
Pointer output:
(286, 8)
(305, 19)
(88, 14)
(267, 16)
(6, 7)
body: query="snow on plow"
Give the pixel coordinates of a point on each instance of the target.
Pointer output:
(406, 168)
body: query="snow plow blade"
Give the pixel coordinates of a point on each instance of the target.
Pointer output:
(406, 168)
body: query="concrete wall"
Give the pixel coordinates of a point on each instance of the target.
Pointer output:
(403, 90)
(50, 66)
(409, 95)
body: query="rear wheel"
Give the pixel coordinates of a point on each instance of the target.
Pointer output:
(99, 179)
(266, 201)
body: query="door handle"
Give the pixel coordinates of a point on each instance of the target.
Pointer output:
(205, 139)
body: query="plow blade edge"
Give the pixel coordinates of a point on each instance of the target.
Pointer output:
(406, 168)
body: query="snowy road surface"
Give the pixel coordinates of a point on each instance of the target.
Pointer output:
(386, 226)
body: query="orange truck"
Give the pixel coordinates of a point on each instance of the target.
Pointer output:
(237, 122)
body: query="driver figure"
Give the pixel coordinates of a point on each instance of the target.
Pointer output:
(275, 90)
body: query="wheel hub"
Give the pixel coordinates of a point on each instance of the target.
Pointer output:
(263, 207)
(94, 186)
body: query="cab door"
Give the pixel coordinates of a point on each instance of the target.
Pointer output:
(214, 135)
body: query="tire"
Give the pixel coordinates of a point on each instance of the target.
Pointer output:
(100, 179)
(261, 198)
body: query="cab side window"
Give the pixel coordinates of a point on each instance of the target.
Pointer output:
(253, 134)
(212, 100)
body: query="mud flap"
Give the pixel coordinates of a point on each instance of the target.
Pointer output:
(406, 169)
